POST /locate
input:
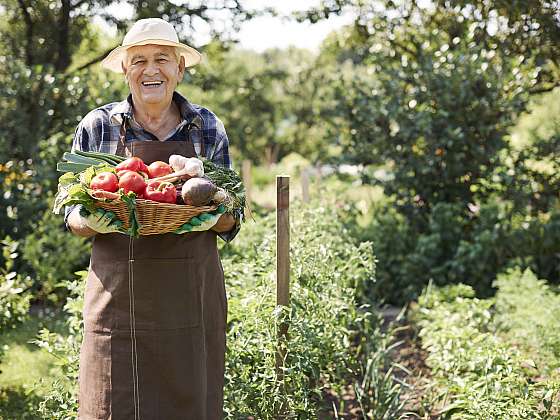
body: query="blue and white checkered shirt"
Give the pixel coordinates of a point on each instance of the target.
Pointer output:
(99, 131)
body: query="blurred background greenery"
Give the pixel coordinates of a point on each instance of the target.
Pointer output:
(433, 125)
(447, 111)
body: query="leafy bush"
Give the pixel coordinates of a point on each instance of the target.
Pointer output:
(476, 373)
(14, 295)
(42, 252)
(453, 248)
(528, 313)
(330, 338)
(21, 198)
(60, 402)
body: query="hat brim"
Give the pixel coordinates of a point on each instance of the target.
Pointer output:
(114, 60)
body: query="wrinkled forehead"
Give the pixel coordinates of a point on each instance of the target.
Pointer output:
(150, 50)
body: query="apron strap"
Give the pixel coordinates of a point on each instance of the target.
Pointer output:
(121, 145)
(125, 125)
(191, 127)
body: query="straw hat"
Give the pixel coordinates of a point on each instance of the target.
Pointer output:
(150, 31)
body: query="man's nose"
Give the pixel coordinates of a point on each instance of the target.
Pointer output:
(151, 69)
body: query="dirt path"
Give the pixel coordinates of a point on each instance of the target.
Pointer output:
(416, 375)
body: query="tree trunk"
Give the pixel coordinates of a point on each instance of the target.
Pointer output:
(63, 55)
(28, 33)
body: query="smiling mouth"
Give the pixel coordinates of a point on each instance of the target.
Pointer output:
(152, 84)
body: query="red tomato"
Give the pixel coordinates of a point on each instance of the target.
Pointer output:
(134, 164)
(162, 192)
(132, 181)
(106, 181)
(159, 168)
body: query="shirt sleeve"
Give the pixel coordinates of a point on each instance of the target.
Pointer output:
(220, 156)
(81, 142)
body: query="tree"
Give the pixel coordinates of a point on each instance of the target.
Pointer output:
(268, 101)
(434, 91)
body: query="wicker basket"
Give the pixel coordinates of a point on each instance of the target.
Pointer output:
(155, 218)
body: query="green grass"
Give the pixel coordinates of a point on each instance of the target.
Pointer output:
(25, 369)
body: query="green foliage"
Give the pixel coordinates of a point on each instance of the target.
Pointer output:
(60, 401)
(38, 103)
(42, 252)
(476, 373)
(430, 111)
(429, 95)
(20, 199)
(14, 296)
(18, 401)
(452, 248)
(326, 287)
(528, 314)
(265, 101)
(25, 367)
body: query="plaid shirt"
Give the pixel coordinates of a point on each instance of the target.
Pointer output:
(99, 131)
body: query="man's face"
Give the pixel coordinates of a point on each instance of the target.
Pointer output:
(152, 72)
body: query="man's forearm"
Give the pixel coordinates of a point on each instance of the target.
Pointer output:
(77, 226)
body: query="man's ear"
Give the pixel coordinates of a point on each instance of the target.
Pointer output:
(124, 69)
(181, 68)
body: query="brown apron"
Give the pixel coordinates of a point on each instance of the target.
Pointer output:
(154, 321)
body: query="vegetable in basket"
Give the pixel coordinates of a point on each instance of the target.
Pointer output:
(159, 168)
(161, 191)
(191, 167)
(106, 181)
(134, 164)
(132, 181)
(198, 191)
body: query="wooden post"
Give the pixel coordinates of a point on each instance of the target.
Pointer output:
(246, 172)
(282, 263)
(305, 185)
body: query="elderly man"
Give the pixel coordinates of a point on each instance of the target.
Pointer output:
(155, 307)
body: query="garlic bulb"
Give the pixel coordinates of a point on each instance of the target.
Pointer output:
(190, 166)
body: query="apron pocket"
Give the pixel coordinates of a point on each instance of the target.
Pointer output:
(166, 294)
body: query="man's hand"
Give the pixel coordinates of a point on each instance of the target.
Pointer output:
(84, 223)
(204, 221)
(225, 223)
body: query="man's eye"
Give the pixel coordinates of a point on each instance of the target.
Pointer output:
(162, 60)
(138, 61)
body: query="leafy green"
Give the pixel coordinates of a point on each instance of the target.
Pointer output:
(130, 201)
(71, 193)
(230, 181)
(87, 175)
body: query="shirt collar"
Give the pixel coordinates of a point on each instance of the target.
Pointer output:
(188, 113)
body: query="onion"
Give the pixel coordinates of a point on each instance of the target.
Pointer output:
(220, 196)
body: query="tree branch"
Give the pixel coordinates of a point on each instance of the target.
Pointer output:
(96, 59)
(544, 89)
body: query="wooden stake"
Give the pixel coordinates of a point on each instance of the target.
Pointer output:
(283, 240)
(282, 264)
